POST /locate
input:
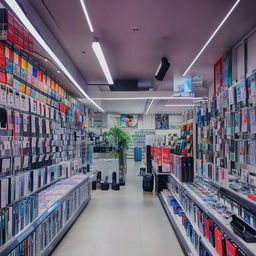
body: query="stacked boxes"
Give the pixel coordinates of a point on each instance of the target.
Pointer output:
(160, 158)
(15, 33)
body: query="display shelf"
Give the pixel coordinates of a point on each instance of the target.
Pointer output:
(68, 225)
(248, 248)
(205, 242)
(176, 179)
(241, 199)
(186, 244)
(237, 197)
(16, 240)
(34, 192)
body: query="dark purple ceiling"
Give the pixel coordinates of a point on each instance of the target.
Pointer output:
(173, 28)
(176, 29)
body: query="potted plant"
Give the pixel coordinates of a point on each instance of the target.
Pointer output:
(120, 139)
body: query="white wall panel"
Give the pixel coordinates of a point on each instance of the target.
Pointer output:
(251, 53)
(240, 61)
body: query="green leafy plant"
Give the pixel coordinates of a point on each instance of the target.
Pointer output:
(121, 139)
(118, 137)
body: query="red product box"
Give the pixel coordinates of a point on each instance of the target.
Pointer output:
(160, 156)
(30, 47)
(230, 249)
(218, 241)
(20, 29)
(62, 108)
(183, 218)
(252, 196)
(15, 24)
(20, 41)
(15, 38)
(25, 45)
(19, 61)
(10, 18)
(30, 43)
(166, 159)
(2, 62)
(2, 49)
(11, 28)
(2, 78)
(9, 53)
(39, 75)
(207, 223)
(10, 37)
(25, 34)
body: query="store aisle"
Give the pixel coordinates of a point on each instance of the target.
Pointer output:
(121, 223)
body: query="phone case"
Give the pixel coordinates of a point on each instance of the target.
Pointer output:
(230, 249)
(218, 240)
(207, 223)
(3, 119)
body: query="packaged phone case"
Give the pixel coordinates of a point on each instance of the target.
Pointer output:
(218, 241)
(207, 223)
(245, 119)
(3, 119)
(252, 115)
(237, 122)
(242, 153)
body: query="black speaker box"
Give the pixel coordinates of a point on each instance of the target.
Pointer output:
(162, 70)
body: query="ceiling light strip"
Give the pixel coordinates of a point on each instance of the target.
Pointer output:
(25, 21)
(178, 105)
(212, 36)
(150, 98)
(103, 63)
(86, 15)
(149, 106)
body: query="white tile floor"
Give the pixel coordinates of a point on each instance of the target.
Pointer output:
(121, 223)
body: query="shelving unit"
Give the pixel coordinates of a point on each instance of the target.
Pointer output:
(206, 243)
(43, 144)
(248, 248)
(19, 238)
(34, 192)
(177, 226)
(68, 225)
(237, 197)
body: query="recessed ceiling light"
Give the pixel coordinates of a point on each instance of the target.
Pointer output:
(212, 36)
(58, 71)
(46, 60)
(135, 29)
(86, 15)
(25, 21)
(100, 56)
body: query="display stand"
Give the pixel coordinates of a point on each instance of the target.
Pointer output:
(19, 239)
(180, 234)
(160, 180)
(181, 190)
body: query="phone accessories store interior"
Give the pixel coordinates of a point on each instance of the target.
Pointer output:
(127, 127)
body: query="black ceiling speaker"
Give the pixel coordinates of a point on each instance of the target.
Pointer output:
(162, 69)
